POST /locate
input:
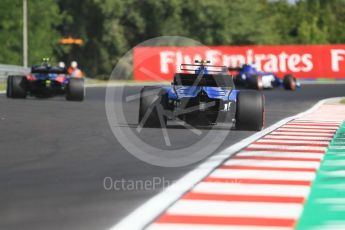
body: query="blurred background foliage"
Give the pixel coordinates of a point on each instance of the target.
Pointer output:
(110, 28)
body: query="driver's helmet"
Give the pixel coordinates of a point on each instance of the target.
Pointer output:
(249, 69)
(62, 64)
(74, 64)
(45, 62)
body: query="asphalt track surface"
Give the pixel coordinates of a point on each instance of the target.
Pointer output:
(56, 154)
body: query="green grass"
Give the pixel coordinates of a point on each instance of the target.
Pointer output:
(98, 81)
(2, 86)
(342, 101)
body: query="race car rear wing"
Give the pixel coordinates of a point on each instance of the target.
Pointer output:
(210, 68)
(210, 80)
(48, 69)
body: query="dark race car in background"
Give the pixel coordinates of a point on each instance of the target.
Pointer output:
(203, 97)
(247, 76)
(46, 81)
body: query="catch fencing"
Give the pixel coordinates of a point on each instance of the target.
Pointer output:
(6, 70)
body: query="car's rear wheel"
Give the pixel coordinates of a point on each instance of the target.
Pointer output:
(16, 87)
(250, 114)
(153, 102)
(256, 82)
(75, 90)
(289, 82)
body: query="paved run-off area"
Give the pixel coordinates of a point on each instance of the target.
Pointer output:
(266, 185)
(56, 154)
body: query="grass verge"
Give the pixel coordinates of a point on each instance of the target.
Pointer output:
(2, 86)
(342, 101)
(91, 81)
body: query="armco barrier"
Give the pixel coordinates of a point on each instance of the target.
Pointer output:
(304, 61)
(6, 70)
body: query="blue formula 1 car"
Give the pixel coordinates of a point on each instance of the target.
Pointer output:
(249, 77)
(45, 81)
(204, 97)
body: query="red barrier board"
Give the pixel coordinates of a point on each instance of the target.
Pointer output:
(304, 61)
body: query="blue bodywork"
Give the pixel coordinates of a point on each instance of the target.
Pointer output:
(247, 72)
(46, 80)
(224, 94)
(52, 77)
(179, 92)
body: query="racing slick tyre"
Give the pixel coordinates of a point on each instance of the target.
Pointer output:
(153, 102)
(289, 82)
(250, 113)
(255, 82)
(16, 87)
(75, 90)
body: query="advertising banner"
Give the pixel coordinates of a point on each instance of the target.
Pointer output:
(303, 61)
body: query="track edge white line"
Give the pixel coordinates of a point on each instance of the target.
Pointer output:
(151, 209)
